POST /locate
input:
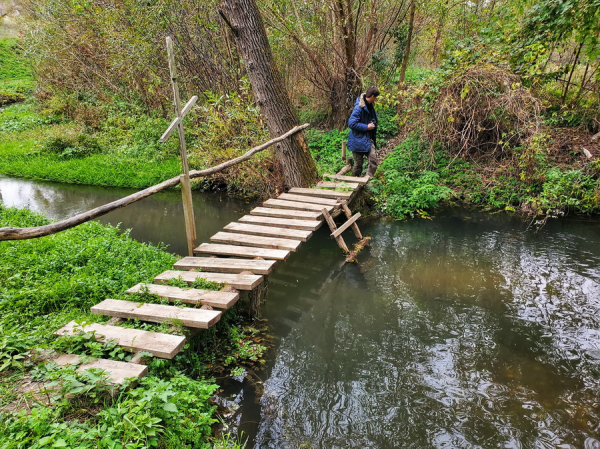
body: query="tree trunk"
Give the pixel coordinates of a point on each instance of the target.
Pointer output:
(243, 17)
(411, 24)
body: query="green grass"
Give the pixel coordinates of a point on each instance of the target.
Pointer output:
(49, 281)
(415, 178)
(27, 151)
(16, 81)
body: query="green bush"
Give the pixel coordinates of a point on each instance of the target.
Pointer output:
(404, 186)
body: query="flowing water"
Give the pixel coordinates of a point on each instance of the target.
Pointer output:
(468, 330)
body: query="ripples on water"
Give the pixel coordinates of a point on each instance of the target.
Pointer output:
(456, 332)
(464, 331)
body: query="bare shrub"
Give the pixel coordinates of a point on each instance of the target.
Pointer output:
(482, 111)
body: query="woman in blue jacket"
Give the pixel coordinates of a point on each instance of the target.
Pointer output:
(363, 132)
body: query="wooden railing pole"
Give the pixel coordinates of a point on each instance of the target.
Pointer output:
(12, 233)
(186, 191)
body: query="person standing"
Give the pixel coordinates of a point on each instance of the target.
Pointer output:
(363, 132)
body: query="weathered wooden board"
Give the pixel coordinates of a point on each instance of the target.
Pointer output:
(218, 300)
(307, 225)
(321, 193)
(295, 205)
(268, 231)
(359, 180)
(238, 281)
(346, 225)
(257, 241)
(308, 199)
(285, 213)
(337, 185)
(157, 313)
(116, 371)
(160, 345)
(242, 251)
(229, 265)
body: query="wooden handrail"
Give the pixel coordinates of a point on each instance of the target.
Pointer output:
(11, 233)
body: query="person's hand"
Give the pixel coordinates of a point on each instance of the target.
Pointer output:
(371, 126)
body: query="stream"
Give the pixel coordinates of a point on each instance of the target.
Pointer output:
(464, 331)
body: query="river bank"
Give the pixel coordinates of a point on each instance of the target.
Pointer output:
(50, 281)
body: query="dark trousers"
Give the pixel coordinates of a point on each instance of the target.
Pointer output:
(359, 158)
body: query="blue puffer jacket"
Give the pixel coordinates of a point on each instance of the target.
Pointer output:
(359, 139)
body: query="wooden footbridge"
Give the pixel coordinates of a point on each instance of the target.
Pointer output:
(241, 257)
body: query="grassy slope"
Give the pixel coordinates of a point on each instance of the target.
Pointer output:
(46, 282)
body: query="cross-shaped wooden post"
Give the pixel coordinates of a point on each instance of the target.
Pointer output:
(186, 191)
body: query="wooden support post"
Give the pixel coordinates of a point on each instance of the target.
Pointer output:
(333, 227)
(348, 214)
(186, 192)
(343, 150)
(188, 213)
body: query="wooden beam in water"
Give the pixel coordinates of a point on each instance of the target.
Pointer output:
(237, 281)
(157, 313)
(160, 345)
(242, 251)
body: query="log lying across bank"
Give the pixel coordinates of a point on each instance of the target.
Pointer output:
(11, 233)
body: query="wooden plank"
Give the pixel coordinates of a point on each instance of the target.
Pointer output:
(219, 265)
(283, 213)
(359, 180)
(218, 300)
(116, 371)
(307, 225)
(257, 241)
(160, 345)
(238, 281)
(157, 313)
(268, 231)
(284, 204)
(322, 193)
(346, 225)
(333, 227)
(242, 251)
(337, 185)
(348, 214)
(308, 199)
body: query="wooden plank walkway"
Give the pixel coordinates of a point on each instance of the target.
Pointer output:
(241, 256)
(165, 346)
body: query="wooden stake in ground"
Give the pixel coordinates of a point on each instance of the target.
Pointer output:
(186, 192)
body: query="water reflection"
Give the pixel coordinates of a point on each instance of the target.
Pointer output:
(155, 219)
(464, 331)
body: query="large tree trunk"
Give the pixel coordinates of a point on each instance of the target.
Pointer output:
(243, 17)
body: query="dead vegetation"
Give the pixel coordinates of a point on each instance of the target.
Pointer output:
(483, 111)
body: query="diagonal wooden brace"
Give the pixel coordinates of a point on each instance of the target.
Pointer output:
(333, 227)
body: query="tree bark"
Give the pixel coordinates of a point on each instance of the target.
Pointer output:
(243, 17)
(411, 24)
